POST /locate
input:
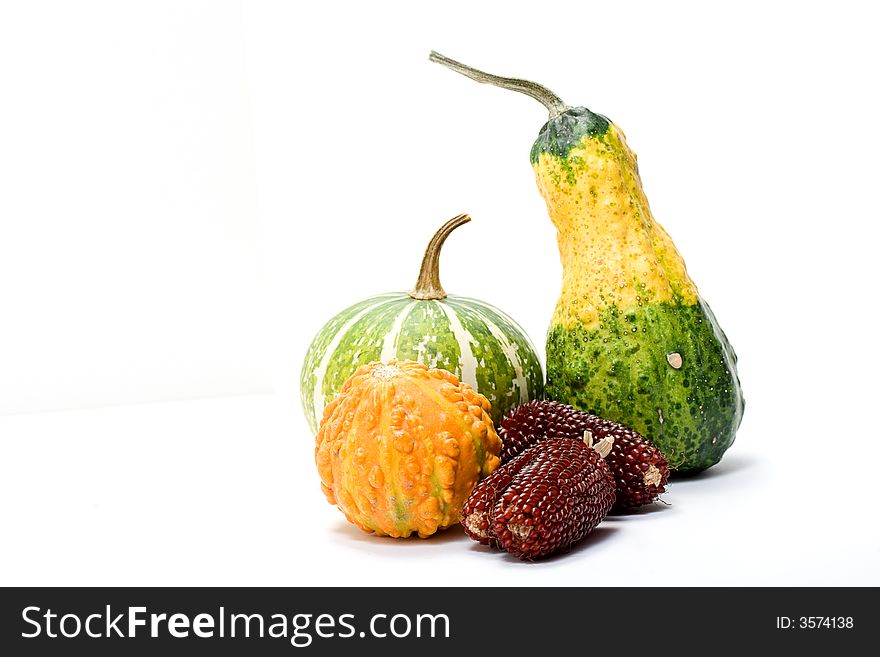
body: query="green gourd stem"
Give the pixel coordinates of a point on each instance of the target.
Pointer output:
(542, 94)
(428, 285)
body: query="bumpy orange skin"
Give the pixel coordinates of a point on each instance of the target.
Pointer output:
(402, 446)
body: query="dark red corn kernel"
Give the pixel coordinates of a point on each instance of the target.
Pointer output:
(639, 468)
(477, 510)
(542, 501)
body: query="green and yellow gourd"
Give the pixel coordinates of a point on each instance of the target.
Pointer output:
(631, 339)
(477, 342)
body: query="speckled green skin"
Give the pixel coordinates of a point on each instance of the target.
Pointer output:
(504, 369)
(620, 369)
(559, 135)
(627, 304)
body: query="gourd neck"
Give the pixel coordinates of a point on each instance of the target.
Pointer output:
(542, 94)
(428, 284)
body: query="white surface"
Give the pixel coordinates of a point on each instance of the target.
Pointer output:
(223, 492)
(757, 136)
(129, 263)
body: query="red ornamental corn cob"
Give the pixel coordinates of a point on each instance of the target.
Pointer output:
(542, 501)
(639, 468)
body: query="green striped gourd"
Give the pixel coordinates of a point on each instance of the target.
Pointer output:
(478, 343)
(631, 339)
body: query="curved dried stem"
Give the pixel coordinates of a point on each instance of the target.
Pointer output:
(539, 92)
(428, 284)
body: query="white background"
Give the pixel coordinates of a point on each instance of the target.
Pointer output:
(189, 190)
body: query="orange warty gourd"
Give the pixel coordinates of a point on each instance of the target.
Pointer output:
(402, 446)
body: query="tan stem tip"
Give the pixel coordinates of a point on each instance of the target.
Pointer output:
(653, 476)
(520, 531)
(474, 521)
(386, 372)
(603, 447)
